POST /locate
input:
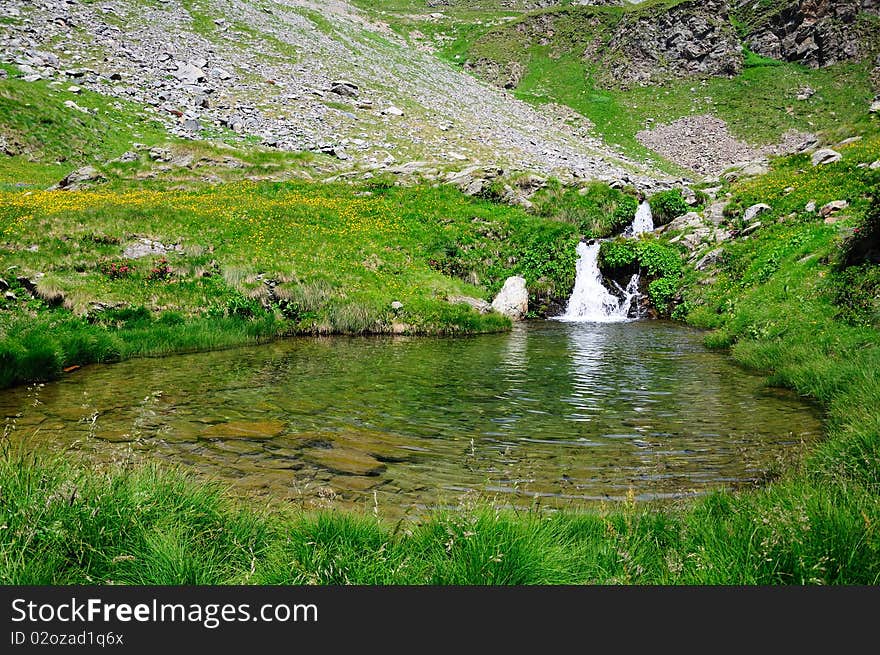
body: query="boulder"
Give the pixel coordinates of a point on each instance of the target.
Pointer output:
(709, 259)
(754, 211)
(144, 247)
(805, 93)
(344, 88)
(683, 222)
(825, 156)
(188, 73)
(832, 208)
(745, 169)
(810, 207)
(479, 305)
(513, 299)
(79, 178)
(127, 157)
(392, 111)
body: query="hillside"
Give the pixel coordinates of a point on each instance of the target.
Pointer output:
(285, 76)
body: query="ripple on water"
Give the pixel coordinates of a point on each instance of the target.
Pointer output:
(563, 413)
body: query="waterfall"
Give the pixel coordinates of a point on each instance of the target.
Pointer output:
(591, 301)
(643, 222)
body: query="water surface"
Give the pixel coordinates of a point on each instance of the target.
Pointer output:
(556, 414)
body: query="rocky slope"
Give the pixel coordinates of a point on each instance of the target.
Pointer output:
(297, 75)
(813, 32)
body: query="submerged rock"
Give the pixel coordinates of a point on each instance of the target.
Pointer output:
(245, 430)
(345, 461)
(513, 299)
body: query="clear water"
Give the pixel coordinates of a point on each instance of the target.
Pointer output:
(556, 414)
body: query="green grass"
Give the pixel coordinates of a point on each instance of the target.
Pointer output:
(49, 140)
(337, 257)
(66, 524)
(596, 209)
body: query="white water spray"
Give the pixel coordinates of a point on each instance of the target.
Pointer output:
(591, 301)
(643, 222)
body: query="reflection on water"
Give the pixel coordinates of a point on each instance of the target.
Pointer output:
(561, 414)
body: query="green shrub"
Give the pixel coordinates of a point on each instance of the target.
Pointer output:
(596, 209)
(617, 255)
(660, 263)
(667, 205)
(662, 292)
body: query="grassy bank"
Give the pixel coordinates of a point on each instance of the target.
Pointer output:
(65, 524)
(243, 262)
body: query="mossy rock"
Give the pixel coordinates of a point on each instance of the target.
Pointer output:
(345, 461)
(244, 430)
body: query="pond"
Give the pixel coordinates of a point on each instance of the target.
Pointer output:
(551, 414)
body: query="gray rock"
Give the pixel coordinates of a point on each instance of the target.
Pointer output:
(144, 247)
(479, 305)
(754, 211)
(188, 73)
(875, 107)
(709, 259)
(79, 178)
(832, 208)
(874, 165)
(70, 104)
(810, 207)
(825, 156)
(397, 305)
(684, 222)
(745, 169)
(392, 111)
(805, 93)
(513, 299)
(160, 154)
(345, 88)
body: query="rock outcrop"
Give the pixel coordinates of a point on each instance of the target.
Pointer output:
(813, 32)
(692, 38)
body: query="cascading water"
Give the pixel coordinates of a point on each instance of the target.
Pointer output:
(643, 222)
(591, 301)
